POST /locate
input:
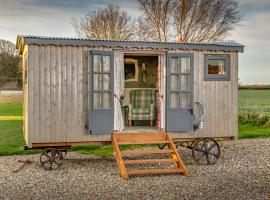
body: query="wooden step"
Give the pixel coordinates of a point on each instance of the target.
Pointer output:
(147, 161)
(141, 138)
(155, 171)
(146, 138)
(144, 152)
(144, 142)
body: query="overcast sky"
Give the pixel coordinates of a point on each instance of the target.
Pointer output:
(52, 18)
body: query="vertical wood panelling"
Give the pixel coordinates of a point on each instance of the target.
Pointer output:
(80, 93)
(58, 96)
(53, 115)
(235, 92)
(69, 95)
(74, 90)
(36, 106)
(59, 134)
(41, 92)
(30, 93)
(85, 92)
(64, 93)
(25, 96)
(47, 78)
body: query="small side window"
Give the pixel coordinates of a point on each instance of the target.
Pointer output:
(217, 67)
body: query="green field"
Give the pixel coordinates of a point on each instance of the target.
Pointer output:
(257, 101)
(252, 103)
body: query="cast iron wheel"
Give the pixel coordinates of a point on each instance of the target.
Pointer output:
(51, 159)
(162, 146)
(64, 152)
(206, 151)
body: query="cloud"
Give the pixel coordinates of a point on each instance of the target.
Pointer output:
(253, 2)
(254, 63)
(50, 17)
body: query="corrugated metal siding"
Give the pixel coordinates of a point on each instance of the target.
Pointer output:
(59, 41)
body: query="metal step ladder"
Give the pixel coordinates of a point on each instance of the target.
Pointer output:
(146, 138)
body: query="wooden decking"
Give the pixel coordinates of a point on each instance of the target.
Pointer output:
(146, 138)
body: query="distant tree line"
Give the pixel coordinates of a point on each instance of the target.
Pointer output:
(162, 20)
(10, 65)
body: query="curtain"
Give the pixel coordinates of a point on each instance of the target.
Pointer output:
(119, 86)
(161, 92)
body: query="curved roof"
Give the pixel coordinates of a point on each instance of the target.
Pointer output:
(62, 41)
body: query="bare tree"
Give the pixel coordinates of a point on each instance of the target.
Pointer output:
(156, 19)
(204, 20)
(107, 23)
(191, 20)
(7, 47)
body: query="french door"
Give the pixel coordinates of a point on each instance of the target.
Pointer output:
(101, 108)
(179, 92)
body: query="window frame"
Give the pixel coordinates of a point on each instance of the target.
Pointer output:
(227, 67)
(179, 91)
(101, 91)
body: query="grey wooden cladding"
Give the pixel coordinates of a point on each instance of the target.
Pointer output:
(219, 98)
(57, 95)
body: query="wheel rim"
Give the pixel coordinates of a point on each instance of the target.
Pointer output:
(51, 159)
(206, 151)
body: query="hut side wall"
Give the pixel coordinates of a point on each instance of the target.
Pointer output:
(219, 98)
(58, 96)
(25, 95)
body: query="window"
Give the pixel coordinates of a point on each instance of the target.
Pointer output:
(217, 67)
(180, 82)
(102, 89)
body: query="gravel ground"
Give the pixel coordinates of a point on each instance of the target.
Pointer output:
(243, 172)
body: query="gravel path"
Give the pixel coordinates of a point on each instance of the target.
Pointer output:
(243, 172)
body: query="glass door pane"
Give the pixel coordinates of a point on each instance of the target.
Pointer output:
(174, 100)
(106, 63)
(174, 82)
(185, 100)
(185, 83)
(185, 65)
(97, 100)
(106, 100)
(174, 65)
(106, 82)
(97, 63)
(97, 81)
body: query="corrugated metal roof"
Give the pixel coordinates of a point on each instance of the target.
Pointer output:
(212, 46)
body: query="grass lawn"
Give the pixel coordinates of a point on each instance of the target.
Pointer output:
(254, 101)
(247, 131)
(11, 134)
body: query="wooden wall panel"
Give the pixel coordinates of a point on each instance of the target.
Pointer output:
(58, 96)
(64, 100)
(30, 74)
(58, 100)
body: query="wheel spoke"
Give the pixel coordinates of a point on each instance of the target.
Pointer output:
(207, 158)
(209, 149)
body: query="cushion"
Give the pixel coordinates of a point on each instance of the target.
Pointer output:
(142, 98)
(141, 111)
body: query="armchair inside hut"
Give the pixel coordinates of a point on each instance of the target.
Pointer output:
(142, 106)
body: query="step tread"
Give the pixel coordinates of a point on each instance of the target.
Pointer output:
(144, 142)
(155, 171)
(145, 161)
(148, 151)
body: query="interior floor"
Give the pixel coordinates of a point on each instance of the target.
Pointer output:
(140, 128)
